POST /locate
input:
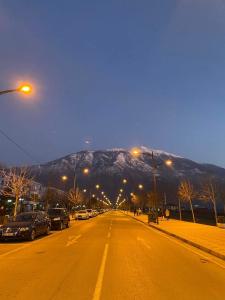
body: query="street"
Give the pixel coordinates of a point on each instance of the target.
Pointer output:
(111, 256)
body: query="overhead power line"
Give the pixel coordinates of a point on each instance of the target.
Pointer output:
(19, 147)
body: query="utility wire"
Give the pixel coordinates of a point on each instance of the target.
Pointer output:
(19, 147)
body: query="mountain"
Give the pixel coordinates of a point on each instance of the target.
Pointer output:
(109, 167)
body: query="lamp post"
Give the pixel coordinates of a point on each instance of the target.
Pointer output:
(136, 152)
(24, 88)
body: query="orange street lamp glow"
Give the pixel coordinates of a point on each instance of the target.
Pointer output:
(169, 162)
(64, 178)
(86, 171)
(25, 88)
(135, 152)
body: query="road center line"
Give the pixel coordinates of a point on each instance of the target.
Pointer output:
(98, 287)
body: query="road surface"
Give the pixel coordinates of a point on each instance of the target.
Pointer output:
(108, 257)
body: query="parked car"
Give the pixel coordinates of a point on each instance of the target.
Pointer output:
(95, 213)
(82, 215)
(26, 226)
(90, 212)
(59, 218)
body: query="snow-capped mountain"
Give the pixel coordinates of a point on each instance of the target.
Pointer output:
(109, 167)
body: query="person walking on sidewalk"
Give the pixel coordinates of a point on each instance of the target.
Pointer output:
(135, 211)
(167, 213)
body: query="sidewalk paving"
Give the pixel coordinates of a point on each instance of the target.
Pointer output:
(210, 239)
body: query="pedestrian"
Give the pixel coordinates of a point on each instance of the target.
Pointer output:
(167, 213)
(139, 211)
(135, 211)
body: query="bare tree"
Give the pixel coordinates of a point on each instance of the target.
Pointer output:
(15, 183)
(186, 193)
(210, 193)
(74, 196)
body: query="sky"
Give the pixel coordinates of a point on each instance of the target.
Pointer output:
(116, 73)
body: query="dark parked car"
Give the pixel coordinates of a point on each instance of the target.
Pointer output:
(26, 226)
(59, 218)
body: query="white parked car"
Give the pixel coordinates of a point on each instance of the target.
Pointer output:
(82, 215)
(95, 213)
(90, 212)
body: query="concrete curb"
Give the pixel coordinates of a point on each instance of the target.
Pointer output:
(203, 248)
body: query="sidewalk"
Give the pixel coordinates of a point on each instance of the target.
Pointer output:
(207, 238)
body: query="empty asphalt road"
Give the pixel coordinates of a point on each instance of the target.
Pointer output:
(109, 257)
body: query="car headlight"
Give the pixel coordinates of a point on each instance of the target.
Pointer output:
(56, 219)
(24, 228)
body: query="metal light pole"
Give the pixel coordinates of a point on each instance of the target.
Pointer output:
(136, 152)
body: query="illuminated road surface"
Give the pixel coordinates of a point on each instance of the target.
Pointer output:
(109, 257)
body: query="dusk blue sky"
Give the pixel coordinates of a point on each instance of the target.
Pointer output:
(119, 73)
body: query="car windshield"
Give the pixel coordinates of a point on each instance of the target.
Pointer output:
(25, 217)
(54, 212)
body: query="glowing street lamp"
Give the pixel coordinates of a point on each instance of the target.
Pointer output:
(121, 190)
(169, 162)
(64, 178)
(86, 171)
(97, 186)
(140, 186)
(136, 152)
(24, 88)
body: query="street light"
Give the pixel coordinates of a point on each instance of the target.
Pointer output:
(64, 178)
(86, 171)
(140, 186)
(124, 181)
(169, 162)
(97, 186)
(136, 152)
(24, 88)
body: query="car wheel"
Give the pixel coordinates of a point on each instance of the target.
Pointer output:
(47, 230)
(32, 235)
(61, 226)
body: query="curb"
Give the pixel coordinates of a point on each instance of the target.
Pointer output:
(203, 248)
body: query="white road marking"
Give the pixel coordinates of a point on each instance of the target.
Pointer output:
(144, 242)
(98, 287)
(14, 250)
(30, 244)
(72, 240)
